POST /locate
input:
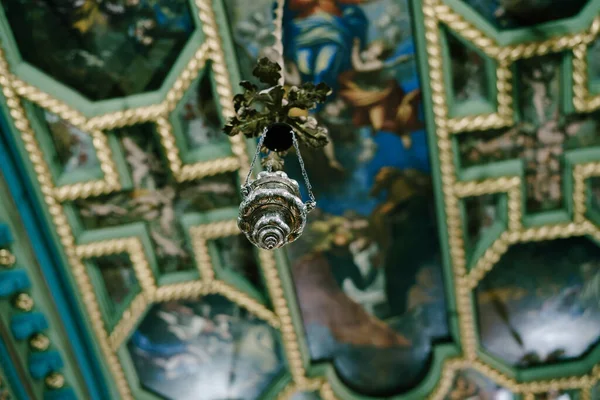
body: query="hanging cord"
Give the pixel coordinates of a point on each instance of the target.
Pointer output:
(278, 35)
(310, 205)
(278, 50)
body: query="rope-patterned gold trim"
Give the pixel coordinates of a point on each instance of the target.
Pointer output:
(132, 116)
(511, 53)
(288, 392)
(327, 392)
(488, 260)
(187, 77)
(183, 291)
(586, 393)
(502, 118)
(188, 172)
(314, 385)
(200, 234)
(49, 103)
(63, 228)
(211, 49)
(132, 246)
(254, 307)
(128, 321)
(453, 366)
(453, 219)
(156, 113)
(465, 282)
(488, 186)
(505, 56)
(216, 230)
(582, 99)
(222, 78)
(110, 182)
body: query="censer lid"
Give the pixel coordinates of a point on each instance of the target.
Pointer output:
(280, 178)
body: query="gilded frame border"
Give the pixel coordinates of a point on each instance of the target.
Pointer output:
(453, 189)
(14, 89)
(434, 12)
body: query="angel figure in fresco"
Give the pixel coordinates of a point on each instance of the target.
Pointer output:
(378, 100)
(318, 37)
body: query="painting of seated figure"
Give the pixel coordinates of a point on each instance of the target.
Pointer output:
(369, 283)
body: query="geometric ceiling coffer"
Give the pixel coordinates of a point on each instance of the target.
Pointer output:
(537, 149)
(519, 14)
(100, 49)
(141, 164)
(472, 88)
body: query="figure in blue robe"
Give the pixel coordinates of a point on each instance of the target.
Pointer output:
(318, 37)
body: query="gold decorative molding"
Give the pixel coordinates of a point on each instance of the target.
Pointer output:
(502, 118)
(16, 90)
(435, 14)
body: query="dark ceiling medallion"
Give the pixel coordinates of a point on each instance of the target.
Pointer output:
(278, 137)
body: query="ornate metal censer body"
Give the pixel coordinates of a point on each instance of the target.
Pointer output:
(272, 213)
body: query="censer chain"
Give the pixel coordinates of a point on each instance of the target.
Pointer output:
(310, 205)
(313, 202)
(278, 47)
(246, 185)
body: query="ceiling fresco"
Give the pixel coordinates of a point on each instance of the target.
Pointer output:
(453, 253)
(102, 49)
(365, 291)
(211, 347)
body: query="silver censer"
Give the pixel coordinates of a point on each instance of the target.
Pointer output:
(272, 213)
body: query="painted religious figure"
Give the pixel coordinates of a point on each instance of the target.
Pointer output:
(369, 284)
